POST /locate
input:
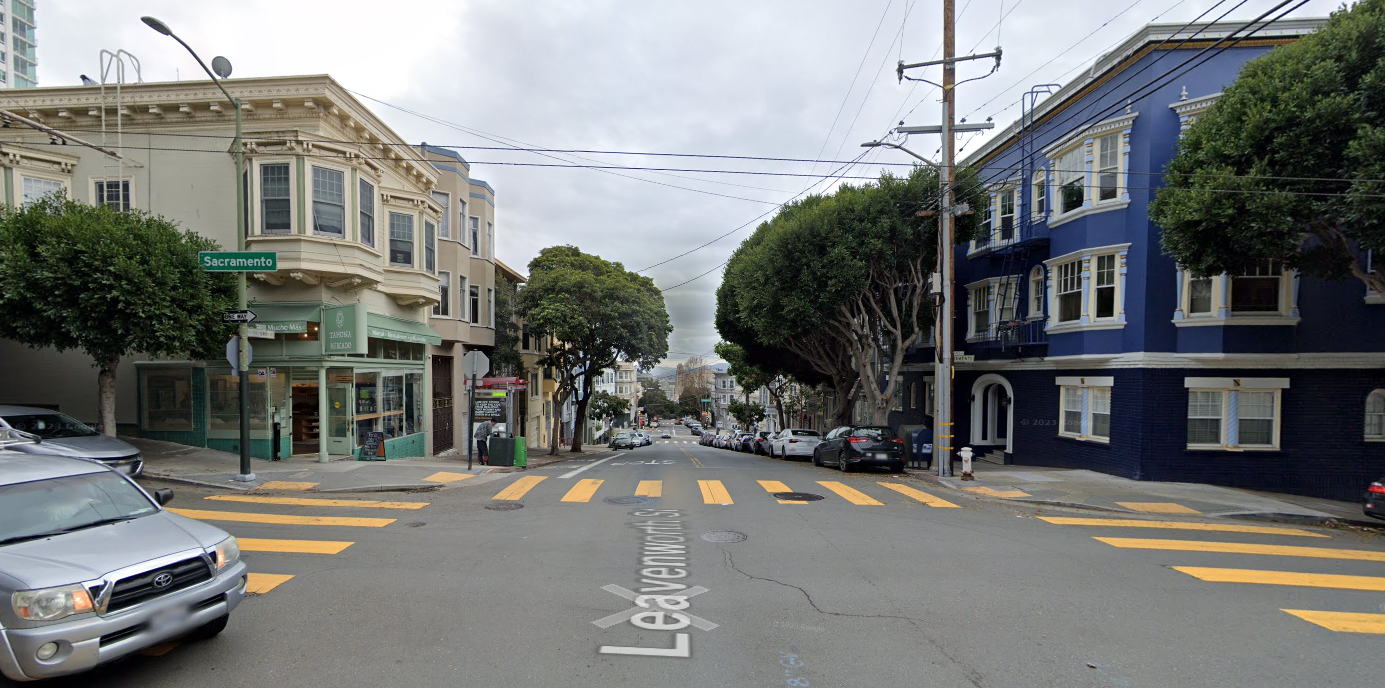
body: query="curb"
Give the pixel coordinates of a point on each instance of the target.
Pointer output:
(199, 483)
(1306, 520)
(399, 487)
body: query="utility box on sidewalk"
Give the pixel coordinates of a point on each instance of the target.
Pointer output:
(521, 452)
(502, 451)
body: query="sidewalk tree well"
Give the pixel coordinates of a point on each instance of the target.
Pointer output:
(840, 282)
(111, 284)
(599, 313)
(1289, 163)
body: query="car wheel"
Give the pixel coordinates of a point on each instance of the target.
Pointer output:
(841, 462)
(210, 629)
(817, 458)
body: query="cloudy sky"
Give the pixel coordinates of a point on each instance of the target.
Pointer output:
(804, 79)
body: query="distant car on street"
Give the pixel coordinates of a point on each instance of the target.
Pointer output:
(58, 434)
(1374, 502)
(861, 446)
(760, 445)
(92, 568)
(695, 431)
(665, 435)
(623, 440)
(795, 443)
(744, 442)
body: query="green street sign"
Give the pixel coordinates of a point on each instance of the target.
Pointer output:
(239, 261)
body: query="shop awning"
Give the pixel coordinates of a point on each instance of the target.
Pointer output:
(285, 317)
(385, 327)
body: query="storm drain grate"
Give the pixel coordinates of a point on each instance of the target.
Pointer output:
(797, 496)
(626, 500)
(724, 536)
(505, 506)
(415, 524)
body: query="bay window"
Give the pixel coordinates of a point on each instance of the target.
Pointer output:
(980, 310)
(444, 199)
(275, 215)
(430, 247)
(1069, 292)
(1007, 215)
(1200, 296)
(367, 204)
(1039, 196)
(1256, 289)
(1036, 292)
(402, 240)
(1105, 288)
(329, 201)
(1108, 167)
(1072, 180)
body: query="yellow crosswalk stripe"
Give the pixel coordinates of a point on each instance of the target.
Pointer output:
(650, 488)
(446, 477)
(293, 546)
(1245, 548)
(713, 492)
(1158, 507)
(1177, 525)
(286, 486)
(304, 501)
(582, 491)
(261, 583)
(1306, 580)
(772, 486)
(520, 487)
(850, 494)
(283, 520)
(920, 495)
(1343, 622)
(991, 492)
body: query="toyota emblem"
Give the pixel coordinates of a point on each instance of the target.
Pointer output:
(163, 580)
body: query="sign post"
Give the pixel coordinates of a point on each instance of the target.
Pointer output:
(474, 364)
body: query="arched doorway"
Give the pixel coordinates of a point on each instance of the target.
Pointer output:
(992, 413)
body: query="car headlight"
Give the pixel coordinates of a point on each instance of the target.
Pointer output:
(227, 552)
(51, 603)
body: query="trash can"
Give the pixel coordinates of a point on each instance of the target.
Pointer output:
(521, 452)
(502, 451)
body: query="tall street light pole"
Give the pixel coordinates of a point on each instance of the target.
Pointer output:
(243, 335)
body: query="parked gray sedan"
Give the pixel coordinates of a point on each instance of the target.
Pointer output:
(62, 435)
(92, 568)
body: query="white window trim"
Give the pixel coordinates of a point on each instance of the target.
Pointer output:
(1039, 210)
(445, 215)
(1086, 384)
(994, 286)
(1373, 438)
(257, 207)
(93, 181)
(375, 206)
(1222, 315)
(345, 200)
(444, 278)
(464, 299)
(1230, 418)
(1087, 141)
(475, 243)
(1037, 287)
(416, 243)
(65, 180)
(1087, 320)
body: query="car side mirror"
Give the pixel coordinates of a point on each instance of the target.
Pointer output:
(163, 496)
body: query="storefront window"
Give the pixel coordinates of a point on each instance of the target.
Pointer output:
(223, 404)
(168, 400)
(392, 405)
(367, 405)
(413, 403)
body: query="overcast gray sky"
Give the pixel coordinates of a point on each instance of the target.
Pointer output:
(788, 79)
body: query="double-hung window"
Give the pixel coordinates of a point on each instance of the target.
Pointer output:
(475, 236)
(1257, 288)
(987, 224)
(35, 188)
(367, 202)
(275, 215)
(1036, 292)
(980, 310)
(1007, 215)
(401, 239)
(430, 247)
(444, 307)
(1375, 415)
(462, 293)
(1085, 407)
(490, 308)
(444, 199)
(1234, 413)
(1072, 411)
(475, 297)
(329, 201)
(1200, 296)
(1072, 180)
(1108, 167)
(1040, 193)
(1105, 287)
(113, 193)
(1069, 292)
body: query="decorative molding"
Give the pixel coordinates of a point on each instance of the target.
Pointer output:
(1085, 381)
(305, 277)
(1099, 207)
(1086, 252)
(1207, 361)
(1084, 327)
(1231, 320)
(269, 278)
(1235, 383)
(1188, 108)
(1103, 127)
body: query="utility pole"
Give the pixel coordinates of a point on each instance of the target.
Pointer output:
(943, 434)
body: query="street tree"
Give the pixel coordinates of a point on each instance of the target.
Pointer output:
(656, 404)
(505, 357)
(754, 376)
(606, 407)
(747, 414)
(690, 404)
(110, 284)
(598, 313)
(1289, 163)
(854, 294)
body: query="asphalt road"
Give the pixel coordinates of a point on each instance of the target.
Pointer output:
(835, 592)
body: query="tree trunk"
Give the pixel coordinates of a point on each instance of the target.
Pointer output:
(105, 395)
(553, 437)
(580, 418)
(842, 405)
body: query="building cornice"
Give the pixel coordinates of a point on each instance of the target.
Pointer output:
(1210, 361)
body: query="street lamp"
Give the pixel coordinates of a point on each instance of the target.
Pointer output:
(223, 69)
(887, 144)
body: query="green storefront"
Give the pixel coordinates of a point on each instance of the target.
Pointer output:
(321, 378)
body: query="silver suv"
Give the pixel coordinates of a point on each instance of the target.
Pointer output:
(92, 568)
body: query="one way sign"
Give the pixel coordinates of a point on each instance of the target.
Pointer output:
(238, 316)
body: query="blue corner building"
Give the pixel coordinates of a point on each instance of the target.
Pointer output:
(1094, 350)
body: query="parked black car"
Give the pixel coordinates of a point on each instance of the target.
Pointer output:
(760, 445)
(1374, 501)
(853, 446)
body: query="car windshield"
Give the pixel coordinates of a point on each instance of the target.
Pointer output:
(806, 433)
(49, 425)
(50, 507)
(873, 433)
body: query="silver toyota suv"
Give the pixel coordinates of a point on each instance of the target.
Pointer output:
(92, 568)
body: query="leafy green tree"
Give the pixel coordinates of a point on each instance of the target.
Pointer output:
(111, 284)
(690, 404)
(505, 357)
(605, 406)
(1289, 164)
(753, 376)
(599, 313)
(656, 404)
(747, 414)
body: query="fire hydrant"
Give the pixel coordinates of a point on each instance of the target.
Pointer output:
(966, 463)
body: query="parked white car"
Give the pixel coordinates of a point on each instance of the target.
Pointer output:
(795, 443)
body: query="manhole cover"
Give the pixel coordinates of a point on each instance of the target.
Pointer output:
(505, 506)
(797, 496)
(626, 500)
(724, 536)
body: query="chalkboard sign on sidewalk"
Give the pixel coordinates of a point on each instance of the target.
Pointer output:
(373, 449)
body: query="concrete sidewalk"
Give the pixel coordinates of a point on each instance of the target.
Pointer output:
(1099, 491)
(213, 468)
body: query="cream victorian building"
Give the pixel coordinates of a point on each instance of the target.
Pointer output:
(373, 237)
